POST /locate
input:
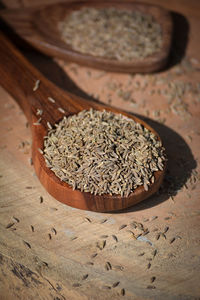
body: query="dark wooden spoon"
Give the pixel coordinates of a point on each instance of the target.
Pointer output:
(18, 77)
(40, 29)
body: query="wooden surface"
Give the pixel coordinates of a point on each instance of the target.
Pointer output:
(34, 266)
(40, 29)
(13, 65)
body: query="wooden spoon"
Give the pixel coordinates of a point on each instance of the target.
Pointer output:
(40, 28)
(18, 77)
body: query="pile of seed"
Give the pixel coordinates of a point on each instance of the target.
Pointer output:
(103, 153)
(111, 33)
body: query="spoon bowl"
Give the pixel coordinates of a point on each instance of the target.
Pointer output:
(40, 28)
(19, 78)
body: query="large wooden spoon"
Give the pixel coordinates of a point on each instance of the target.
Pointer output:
(40, 29)
(18, 77)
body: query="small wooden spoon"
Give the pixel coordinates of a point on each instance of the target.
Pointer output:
(18, 77)
(40, 28)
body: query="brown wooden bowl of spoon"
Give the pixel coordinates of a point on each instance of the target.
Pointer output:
(40, 29)
(19, 77)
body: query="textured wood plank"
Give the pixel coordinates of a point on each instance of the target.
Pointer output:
(176, 265)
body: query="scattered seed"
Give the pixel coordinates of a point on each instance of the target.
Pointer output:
(9, 225)
(157, 236)
(101, 245)
(51, 100)
(90, 263)
(172, 240)
(167, 218)
(41, 199)
(40, 150)
(39, 112)
(122, 226)
(151, 287)
(88, 219)
(27, 244)
(32, 228)
(115, 238)
(104, 236)
(16, 219)
(115, 284)
(49, 234)
(49, 125)
(120, 268)
(94, 255)
(141, 254)
(108, 266)
(106, 287)
(149, 266)
(145, 220)
(154, 218)
(85, 276)
(166, 229)
(61, 110)
(154, 253)
(123, 292)
(76, 284)
(36, 86)
(54, 230)
(103, 221)
(74, 238)
(153, 279)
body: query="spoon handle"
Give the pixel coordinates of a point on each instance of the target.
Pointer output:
(18, 77)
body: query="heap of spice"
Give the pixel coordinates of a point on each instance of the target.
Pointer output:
(111, 33)
(103, 153)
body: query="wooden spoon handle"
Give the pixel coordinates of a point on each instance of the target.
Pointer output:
(19, 77)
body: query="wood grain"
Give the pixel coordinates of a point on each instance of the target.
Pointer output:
(14, 65)
(43, 34)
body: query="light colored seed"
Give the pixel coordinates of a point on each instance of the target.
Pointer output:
(166, 229)
(101, 245)
(51, 100)
(106, 287)
(39, 112)
(61, 110)
(94, 255)
(120, 268)
(54, 230)
(88, 220)
(115, 284)
(141, 254)
(36, 86)
(49, 125)
(172, 240)
(40, 150)
(15, 219)
(10, 225)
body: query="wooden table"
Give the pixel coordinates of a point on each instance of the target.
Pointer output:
(47, 249)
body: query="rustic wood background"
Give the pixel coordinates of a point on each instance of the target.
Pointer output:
(47, 248)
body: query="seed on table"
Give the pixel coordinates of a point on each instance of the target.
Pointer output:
(41, 199)
(172, 240)
(106, 287)
(54, 230)
(148, 266)
(154, 253)
(76, 285)
(32, 228)
(104, 236)
(103, 221)
(90, 263)
(61, 110)
(123, 292)
(10, 225)
(88, 219)
(154, 218)
(94, 255)
(51, 99)
(153, 279)
(122, 226)
(108, 266)
(27, 244)
(16, 219)
(101, 245)
(120, 268)
(157, 236)
(141, 254)
(115, 284)
(85, 276)
(151, 287)
(74, 238)
(49, 235)
(115, 238)
(166, 229)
